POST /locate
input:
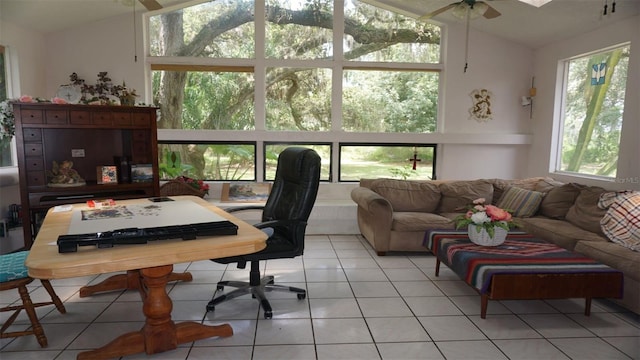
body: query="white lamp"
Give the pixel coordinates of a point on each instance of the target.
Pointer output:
(528, 100)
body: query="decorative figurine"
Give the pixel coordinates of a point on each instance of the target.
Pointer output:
(64, 175)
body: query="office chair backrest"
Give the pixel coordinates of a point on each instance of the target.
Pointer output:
(295, 186)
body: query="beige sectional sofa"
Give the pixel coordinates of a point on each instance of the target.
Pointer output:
(393, 215)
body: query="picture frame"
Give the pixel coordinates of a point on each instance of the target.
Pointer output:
(245, 192)
(141, 173)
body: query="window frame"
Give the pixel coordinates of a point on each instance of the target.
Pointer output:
(381, 144)
(559, 129)
(335, 135)
(12, 79)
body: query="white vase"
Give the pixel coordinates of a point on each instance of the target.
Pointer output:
(482, 237)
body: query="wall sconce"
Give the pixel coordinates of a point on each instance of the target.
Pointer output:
(528, 100)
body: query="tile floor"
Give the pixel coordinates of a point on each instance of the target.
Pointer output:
(359, 306)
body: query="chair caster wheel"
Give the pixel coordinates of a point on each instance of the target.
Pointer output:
(301, 296)
(268, 314)
(210, 307)
(220, 287)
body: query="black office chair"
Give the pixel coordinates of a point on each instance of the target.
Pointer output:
(286, 211)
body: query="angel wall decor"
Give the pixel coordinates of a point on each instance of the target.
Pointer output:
(481, 109)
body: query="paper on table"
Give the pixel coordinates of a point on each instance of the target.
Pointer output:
(143, 215)
(62, 208)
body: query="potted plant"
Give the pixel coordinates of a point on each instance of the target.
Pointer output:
(487, 225)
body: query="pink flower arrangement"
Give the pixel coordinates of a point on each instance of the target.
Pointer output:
(59, 101)
(485, 216)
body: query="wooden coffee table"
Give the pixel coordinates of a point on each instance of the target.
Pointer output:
(524, 267)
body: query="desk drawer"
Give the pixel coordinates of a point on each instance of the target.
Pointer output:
(30, 116)
(56, 117)
(36, 178)
(33, 149)
(34, 164)
(31, 135)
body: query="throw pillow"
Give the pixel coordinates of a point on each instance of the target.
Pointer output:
(501, 185)
(558, 200)
(621, 223)
(585, 212)
(521, 202)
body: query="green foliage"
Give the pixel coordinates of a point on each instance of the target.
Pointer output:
(171, 165)
(403, 173)
(593, 114)
(298, 98)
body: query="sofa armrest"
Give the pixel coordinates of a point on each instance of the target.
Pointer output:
(370, 200)
(375, 218)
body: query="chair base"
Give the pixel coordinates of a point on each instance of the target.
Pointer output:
(257, 287)
(29, 307)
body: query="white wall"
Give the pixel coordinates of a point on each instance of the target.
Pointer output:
(504, 68)
(28, 47)
(104, 46)
(545, 111)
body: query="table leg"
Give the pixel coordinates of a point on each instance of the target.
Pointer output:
(159, 333)
(484, 302)
(437, 267)
(587, 306)
(128, 281)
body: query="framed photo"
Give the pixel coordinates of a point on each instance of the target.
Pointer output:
(141, 173)
(245, 192)
(107, 175)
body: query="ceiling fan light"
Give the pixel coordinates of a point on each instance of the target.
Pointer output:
(478, 9)
(536, 3)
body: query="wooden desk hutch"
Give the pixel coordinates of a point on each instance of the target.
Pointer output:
(88, 135)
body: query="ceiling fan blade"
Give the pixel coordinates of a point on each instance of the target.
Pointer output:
(491, 13)
(437, 12)
(151, 4)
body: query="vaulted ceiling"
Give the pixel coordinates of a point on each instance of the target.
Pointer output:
(522, 23)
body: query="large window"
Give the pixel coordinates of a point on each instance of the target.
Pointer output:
(594, 90)
(282, 71)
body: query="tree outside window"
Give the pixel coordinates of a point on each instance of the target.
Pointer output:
(593, 107)
(207, 61)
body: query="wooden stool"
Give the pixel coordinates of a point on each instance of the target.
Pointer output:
(13, 274)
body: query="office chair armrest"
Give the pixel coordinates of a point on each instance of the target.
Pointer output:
(277, 223)
(243, 208)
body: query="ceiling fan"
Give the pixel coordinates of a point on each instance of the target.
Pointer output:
(151, 4)
(148, 4)
(462, 8)
(466, 9)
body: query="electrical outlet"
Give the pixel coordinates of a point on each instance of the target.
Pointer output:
(76, 153)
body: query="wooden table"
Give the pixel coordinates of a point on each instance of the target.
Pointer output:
(154, 263)
(523, 267)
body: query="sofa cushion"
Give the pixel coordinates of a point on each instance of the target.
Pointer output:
(621, 223)
(458, 194)
(559, 199)
(545, 185)
(406, 195)
(613, 255)
(585, 212)
(559, 232)
(419, 221)
(521, 202)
